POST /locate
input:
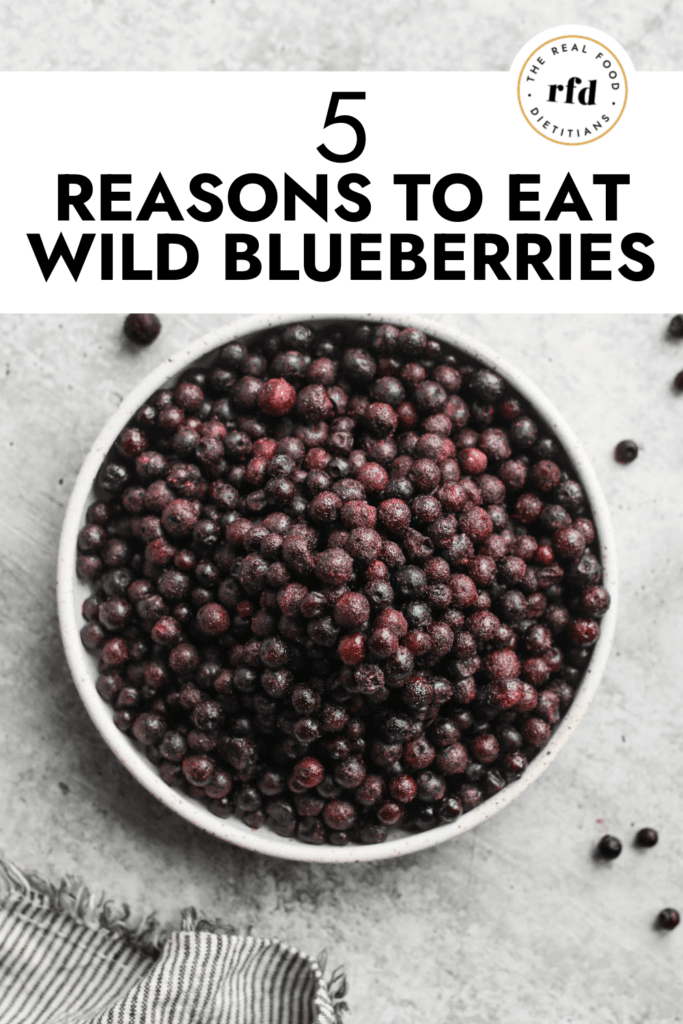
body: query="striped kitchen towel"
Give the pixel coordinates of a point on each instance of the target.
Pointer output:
(67, 957)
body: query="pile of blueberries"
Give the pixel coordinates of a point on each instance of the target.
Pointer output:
(343, 579)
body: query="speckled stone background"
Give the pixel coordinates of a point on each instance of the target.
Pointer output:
(257, 35)
(514, 921)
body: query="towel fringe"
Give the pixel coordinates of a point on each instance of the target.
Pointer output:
(76, 901)
(192, 920)
(337, 987)
(71, 897)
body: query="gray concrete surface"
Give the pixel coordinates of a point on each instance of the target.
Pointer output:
(513, 922)
(258, 35)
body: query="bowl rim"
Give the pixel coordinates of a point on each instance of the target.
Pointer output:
(70, 592)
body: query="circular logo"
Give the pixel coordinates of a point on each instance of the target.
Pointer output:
(572, 90)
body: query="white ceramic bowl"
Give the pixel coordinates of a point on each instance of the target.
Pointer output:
(71, 593)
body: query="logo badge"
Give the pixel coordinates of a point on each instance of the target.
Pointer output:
(572, 90)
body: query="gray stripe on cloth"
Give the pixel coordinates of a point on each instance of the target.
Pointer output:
(222, 979)
(54, 970)
(67, 957)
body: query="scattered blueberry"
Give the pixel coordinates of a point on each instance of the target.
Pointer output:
(141, 328)
(668, 919)
(675, 329)
(647, 837)
(625, 452)
(609, 847)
